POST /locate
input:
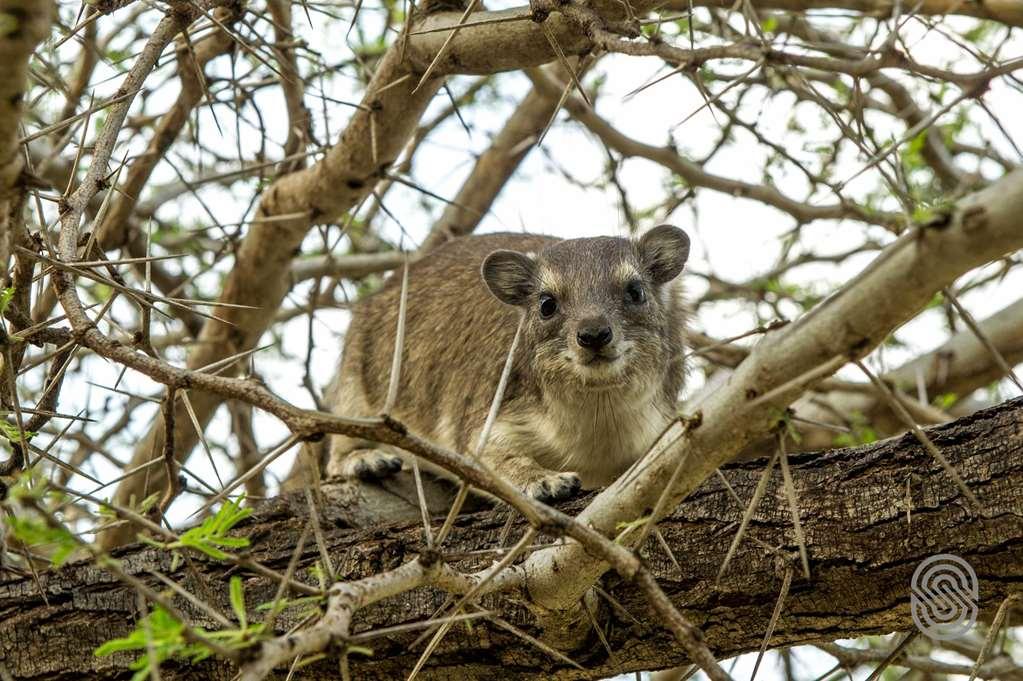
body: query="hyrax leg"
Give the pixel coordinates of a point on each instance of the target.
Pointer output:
(525, 473)
(353, 458)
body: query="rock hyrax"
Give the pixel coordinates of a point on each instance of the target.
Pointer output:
(595, 378)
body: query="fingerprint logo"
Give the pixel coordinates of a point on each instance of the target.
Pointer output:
(944, 597)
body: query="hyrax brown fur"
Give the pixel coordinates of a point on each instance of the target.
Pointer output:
(593, 383)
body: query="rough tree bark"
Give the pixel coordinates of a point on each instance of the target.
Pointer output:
(23, 24)
(870, 514)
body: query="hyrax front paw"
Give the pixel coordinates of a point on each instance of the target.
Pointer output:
(370, 464)
(554, 487)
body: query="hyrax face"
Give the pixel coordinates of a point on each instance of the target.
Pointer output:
(597, 309)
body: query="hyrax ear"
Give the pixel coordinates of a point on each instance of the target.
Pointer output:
(664, 251)
(510, 276)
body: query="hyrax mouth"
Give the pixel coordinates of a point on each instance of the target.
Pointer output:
(599, 359)
(606, 361)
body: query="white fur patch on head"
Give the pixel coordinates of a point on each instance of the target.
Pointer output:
(625, 272)
(548, 280)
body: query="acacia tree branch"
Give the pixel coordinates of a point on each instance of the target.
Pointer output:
(299, 121)
(1003, 11)
(169, 26)
(374, 137)
(88, 57)
(962, 364)
(848, 325)
(23, 25)
(934, 151)
(112, 231)
(370, 143)
(696, 176)
(509, 39)
(957, 367)
(864, 542)
(350, 266)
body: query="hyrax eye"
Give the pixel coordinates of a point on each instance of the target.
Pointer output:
(634, 292)
(548, 305)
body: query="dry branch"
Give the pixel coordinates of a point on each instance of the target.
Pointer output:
(862, 549)
(319, 194)
(848, 325)
(374, 137)
(114, 230)
(23, 24)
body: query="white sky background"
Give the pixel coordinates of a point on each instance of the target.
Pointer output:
(733, 238)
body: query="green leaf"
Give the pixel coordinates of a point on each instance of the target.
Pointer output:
(937, 301)
(860, 432)
(34, 533)
(13, 433)
(912, 157)
(211, 536)
(160, 637)
(5, 298)
(624, 527)
(238, 600)
(980, 31)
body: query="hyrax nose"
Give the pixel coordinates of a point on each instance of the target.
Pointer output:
(593, 335)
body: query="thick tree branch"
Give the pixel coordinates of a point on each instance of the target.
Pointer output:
(848, 325)
(23, 25)
(958, 366)
(510, 39)
(864, 544)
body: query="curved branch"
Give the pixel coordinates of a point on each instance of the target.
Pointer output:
(864, 544)
(696, 176)
(371, 142)
(23, 25)
(848, 325)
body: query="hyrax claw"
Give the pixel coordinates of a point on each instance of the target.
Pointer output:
(555, 487)
(371, 464)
